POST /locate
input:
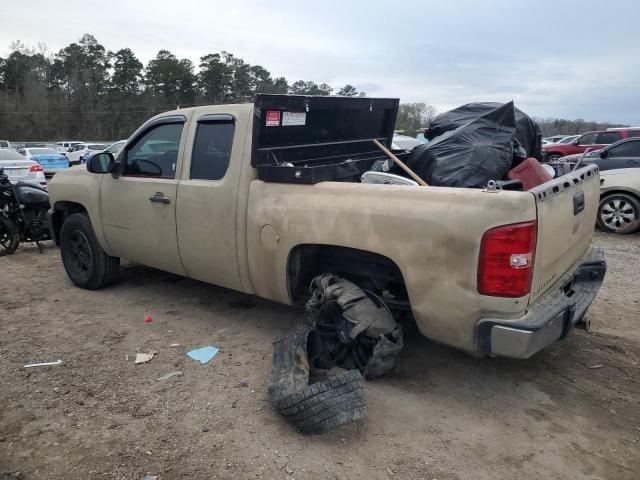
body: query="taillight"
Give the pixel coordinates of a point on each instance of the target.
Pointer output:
(505, 266)
(35, 168)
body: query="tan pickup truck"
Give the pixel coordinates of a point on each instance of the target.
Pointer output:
(261, 198)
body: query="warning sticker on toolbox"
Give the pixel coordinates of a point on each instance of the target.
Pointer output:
(291, 119)
(273, 118)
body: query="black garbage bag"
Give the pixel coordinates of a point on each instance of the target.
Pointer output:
(470, 155)
(528, 133)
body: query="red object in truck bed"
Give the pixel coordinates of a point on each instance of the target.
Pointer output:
(530, 173)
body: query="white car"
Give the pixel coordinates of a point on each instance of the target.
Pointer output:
(554, 139)
(20, 169)
(78, 151)
(67, 145)
(403, 142)
(619, 210)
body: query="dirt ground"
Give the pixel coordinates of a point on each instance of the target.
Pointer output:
(571, 412)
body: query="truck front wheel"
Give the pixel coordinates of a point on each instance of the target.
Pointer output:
(87, 265)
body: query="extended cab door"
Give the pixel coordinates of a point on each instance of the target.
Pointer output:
(138, 208)
(209, 210)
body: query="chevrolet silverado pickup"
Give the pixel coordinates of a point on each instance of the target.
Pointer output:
(262, 197)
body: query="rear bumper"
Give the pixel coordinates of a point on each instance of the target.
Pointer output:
(550, 318)
(53, 171)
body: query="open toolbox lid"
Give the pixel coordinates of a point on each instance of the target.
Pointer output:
(288, 122)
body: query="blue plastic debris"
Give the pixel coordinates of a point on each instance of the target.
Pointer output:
(204, 354)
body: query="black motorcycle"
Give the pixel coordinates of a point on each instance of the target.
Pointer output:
(23, 214)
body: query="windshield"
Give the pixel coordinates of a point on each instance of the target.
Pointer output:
(568, 139)
(42, 151)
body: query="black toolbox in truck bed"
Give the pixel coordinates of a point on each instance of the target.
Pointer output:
(305, 139)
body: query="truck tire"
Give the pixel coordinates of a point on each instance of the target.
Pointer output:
(9, 236)
(619, 213)
(313, 401)
(326, 405)
(86, 263)
(552, 157)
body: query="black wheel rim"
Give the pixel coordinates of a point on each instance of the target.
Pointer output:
(5, 236)
(79, 254)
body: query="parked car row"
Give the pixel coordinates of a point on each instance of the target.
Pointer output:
(20, 169)
(619, 164)
(590, 140)
(31, 161)
(51, 160)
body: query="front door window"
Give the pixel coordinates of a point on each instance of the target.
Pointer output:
(155, 153)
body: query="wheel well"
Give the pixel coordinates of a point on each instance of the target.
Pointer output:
(368, 270)
(608, 193)
(61, 211)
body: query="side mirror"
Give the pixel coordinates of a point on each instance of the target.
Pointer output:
(576, 142)
(604, 154)
(102, 162)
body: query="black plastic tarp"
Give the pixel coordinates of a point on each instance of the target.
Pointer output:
(528, 133)
(470, 155)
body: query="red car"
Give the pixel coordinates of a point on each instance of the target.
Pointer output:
(589, 140)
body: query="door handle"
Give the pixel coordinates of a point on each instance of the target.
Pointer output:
(578, 203)
(159, 197)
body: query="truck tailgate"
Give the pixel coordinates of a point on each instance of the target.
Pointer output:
(567, 208)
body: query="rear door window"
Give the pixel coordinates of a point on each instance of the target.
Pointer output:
(627, 149)
(587, 139)
(155, 153)
(606, 138)
(633, 133)
(212, 148)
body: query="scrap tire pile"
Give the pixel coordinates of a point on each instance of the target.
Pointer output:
(317, 375)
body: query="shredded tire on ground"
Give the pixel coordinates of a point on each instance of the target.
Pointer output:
(317, 376)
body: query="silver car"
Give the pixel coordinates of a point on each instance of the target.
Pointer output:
(21, 169)
(403, 142)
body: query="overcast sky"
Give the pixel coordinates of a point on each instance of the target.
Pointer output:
(570, 59)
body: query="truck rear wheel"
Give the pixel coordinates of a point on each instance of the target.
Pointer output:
(86, 263)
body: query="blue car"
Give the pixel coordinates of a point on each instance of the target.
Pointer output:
(50, 160)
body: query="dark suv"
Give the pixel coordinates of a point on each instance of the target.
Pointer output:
(590, 140)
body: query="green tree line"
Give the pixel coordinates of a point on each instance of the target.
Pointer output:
(560, 126)
(85, 91)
